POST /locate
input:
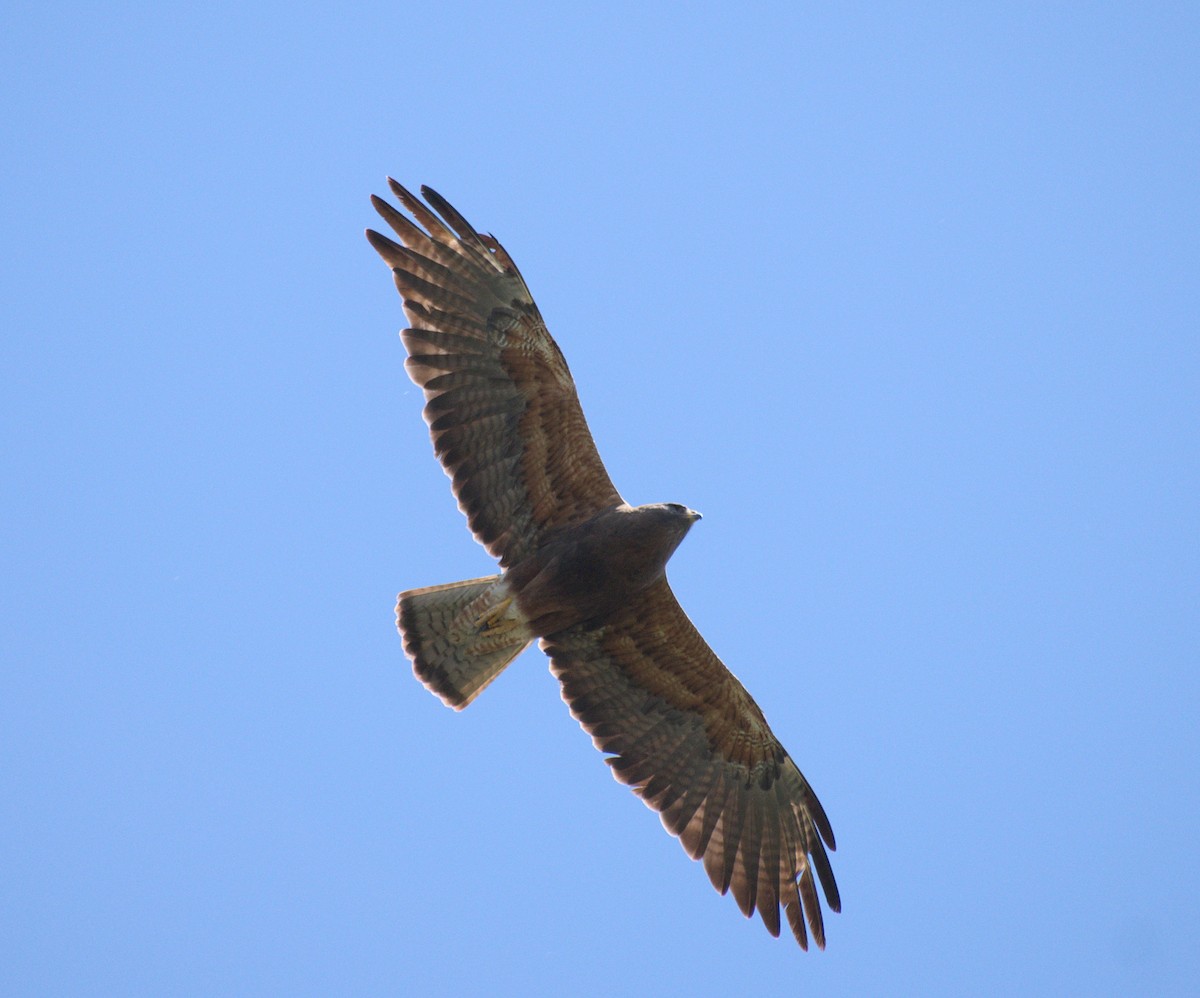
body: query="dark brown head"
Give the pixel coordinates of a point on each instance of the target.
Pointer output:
(668, 523)
(673, 512)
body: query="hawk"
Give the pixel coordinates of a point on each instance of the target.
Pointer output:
(584, 572)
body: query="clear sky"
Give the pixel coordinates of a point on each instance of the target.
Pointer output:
(902, 297)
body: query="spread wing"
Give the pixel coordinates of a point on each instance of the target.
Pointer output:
(499, 399)
(690, 741)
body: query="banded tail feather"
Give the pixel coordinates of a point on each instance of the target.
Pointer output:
(460, 636)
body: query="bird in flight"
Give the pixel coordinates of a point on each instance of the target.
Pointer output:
(584, 572)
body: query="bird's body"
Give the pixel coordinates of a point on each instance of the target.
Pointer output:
(589, 571)
(585, 572)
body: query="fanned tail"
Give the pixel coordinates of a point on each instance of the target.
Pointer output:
(460, 636)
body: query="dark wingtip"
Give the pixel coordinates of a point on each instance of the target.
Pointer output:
(382, 245)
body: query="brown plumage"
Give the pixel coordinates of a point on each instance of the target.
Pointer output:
(585, 572)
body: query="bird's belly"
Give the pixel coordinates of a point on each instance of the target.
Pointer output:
(575, 587)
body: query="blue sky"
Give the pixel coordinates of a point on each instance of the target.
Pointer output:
(902, 297)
